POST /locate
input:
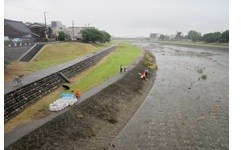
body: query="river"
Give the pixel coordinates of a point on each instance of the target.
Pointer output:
(188, 106)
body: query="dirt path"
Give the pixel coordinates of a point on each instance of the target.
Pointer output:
(94, 123)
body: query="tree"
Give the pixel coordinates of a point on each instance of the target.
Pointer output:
(61, 36)
(208, 37)
(212, 37)
(94, 35)
(106, 36)
(217, 36)
(162, 37)
(179, 35)
(225, 36)
(194, 36)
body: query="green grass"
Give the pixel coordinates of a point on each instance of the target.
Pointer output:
(102, 46)
(55, 54)
(124, 55)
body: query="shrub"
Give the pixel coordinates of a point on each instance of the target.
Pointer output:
(204, 76)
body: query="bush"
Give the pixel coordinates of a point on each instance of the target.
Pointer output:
(204, 76)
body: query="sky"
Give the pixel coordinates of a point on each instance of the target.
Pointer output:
(126, 18)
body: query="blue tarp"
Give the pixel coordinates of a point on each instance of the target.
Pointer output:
(66, 95)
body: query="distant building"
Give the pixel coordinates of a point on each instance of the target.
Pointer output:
(28, 23)
(43, 32)
(16, 29)
(74, 32)
(57, 26)
(155, 35)
(171, 37)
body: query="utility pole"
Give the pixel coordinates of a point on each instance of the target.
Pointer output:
(73, 29)
(46, 36)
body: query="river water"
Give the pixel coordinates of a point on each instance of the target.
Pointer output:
(188, 106)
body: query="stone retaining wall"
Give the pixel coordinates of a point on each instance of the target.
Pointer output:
(15, 101)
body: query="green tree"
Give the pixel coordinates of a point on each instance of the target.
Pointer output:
(212, 37)
(162, 37)
(217, 36)
(208, 37)
(179, 35)
(194, 36)
(94, 35)
(61, 36)
(106, 36)
(225, 36)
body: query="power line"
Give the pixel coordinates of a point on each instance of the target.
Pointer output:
(42, 11)
(23, 7)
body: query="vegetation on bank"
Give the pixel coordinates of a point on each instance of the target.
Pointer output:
(89, 35)
(124, 55)
(215, 37)
(196, 44)
(52, 55)
(194, 36)
(55, 54)
(109, 66)
(94, 35)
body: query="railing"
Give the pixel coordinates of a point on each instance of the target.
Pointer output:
(10, 44)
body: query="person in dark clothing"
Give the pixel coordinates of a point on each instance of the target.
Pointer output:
(121, 68)
(146, 72)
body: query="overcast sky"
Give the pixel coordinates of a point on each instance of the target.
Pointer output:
(126, 17)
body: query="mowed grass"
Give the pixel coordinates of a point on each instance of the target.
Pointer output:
(52, 55)
(108, 67)
(124, 55)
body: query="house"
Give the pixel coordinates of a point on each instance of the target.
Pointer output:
(41, 31)
(16, 29)
(154, 35)
(28, 23)
(73, 32)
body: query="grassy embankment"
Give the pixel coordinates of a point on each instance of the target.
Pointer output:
(51, 55)
(109, 66)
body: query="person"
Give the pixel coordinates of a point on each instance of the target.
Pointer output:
(146, 72)
(77, 93)
(125, 69)
(143, 76)
(121, 68)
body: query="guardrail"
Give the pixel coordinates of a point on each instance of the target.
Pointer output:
(29, 44)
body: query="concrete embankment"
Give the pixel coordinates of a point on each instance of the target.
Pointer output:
(93, 123)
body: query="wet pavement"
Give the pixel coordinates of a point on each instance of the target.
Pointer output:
(183, 110)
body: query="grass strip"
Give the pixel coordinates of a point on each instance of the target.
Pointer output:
(108, 67)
